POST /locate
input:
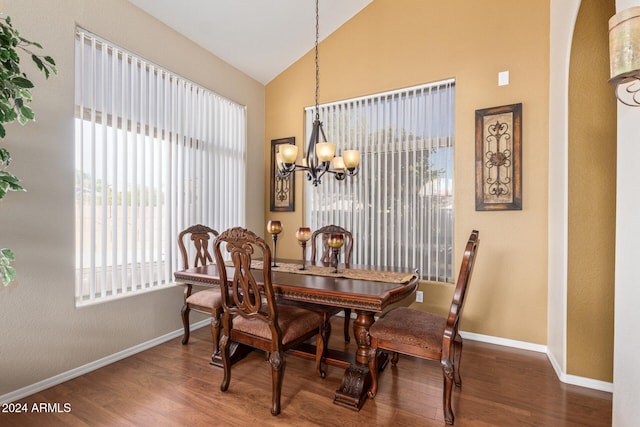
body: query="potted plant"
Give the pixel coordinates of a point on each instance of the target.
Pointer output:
(15, 96)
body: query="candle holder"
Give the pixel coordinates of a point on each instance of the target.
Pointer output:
(335, 241)
(274, 228)
(303, 234)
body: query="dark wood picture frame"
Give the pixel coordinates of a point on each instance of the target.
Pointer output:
(282, 198)
(499, 158)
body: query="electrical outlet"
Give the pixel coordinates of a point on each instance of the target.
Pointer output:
(419, 297)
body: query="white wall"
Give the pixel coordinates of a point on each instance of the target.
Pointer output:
(42, 333)
(626, 369)
(563, 17)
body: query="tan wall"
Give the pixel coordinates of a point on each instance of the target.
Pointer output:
(398, 43)
(42, 332)
(592, 196)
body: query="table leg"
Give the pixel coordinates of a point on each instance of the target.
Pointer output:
(357, 379)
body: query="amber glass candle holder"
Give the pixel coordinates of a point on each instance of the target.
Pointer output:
(303, 234)
(335, 242)
(274, 228)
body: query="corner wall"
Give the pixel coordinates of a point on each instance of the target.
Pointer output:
(43, 333)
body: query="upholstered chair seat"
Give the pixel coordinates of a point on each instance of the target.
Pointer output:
(207, 298)
(293, 322)
(413, 328)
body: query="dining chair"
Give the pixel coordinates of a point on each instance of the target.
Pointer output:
(426, 335)
(325, 259)
(208, 300)
(251, 315)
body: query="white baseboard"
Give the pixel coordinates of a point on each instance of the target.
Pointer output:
(85, 369)
(523, 345)
(562, 376)
(73, 373)
(579, 381)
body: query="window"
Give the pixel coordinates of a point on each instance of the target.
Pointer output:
(155, 153)
(400, 206)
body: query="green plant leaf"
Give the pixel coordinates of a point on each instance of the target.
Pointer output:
(5, 156)
(25, 94)
(37, 61)
(9, 182)
(22, 82)
(27, 112)
(7, 253)
(11, 116)
(7, 274)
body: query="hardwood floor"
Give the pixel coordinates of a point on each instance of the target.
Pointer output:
(174, 385)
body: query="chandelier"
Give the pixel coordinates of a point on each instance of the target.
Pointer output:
(321, 155)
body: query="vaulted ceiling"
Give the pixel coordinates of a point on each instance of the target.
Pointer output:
(259, 37)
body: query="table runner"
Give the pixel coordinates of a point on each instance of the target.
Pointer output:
(347, 273)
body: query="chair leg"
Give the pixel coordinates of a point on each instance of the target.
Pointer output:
(347, 323)
(215, 330)
(320, 353)
(225, 346)
(277, 372)
(447, 390)
(185, 322)
(457, 354)
(394, 358)
(373, 371)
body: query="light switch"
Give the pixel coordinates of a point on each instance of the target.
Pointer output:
(503, 78)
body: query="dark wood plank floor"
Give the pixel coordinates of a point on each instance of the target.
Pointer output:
(174, 385)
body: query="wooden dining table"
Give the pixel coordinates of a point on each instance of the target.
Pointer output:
(367, 290)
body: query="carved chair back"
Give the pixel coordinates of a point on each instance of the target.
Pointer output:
(202, 237)
(459, 293)
(325, 232)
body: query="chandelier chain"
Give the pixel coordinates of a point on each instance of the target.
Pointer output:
(317, 66)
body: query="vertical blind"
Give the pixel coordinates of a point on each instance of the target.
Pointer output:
(155, 153)
(400, 206)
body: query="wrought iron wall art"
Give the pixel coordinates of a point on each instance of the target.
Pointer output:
(282, 189)
(499, 158)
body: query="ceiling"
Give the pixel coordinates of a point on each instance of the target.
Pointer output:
(259, 37)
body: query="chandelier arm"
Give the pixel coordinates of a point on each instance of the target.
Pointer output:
(324, 137)
(312, 158)
(353, 172)
(319, 173)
